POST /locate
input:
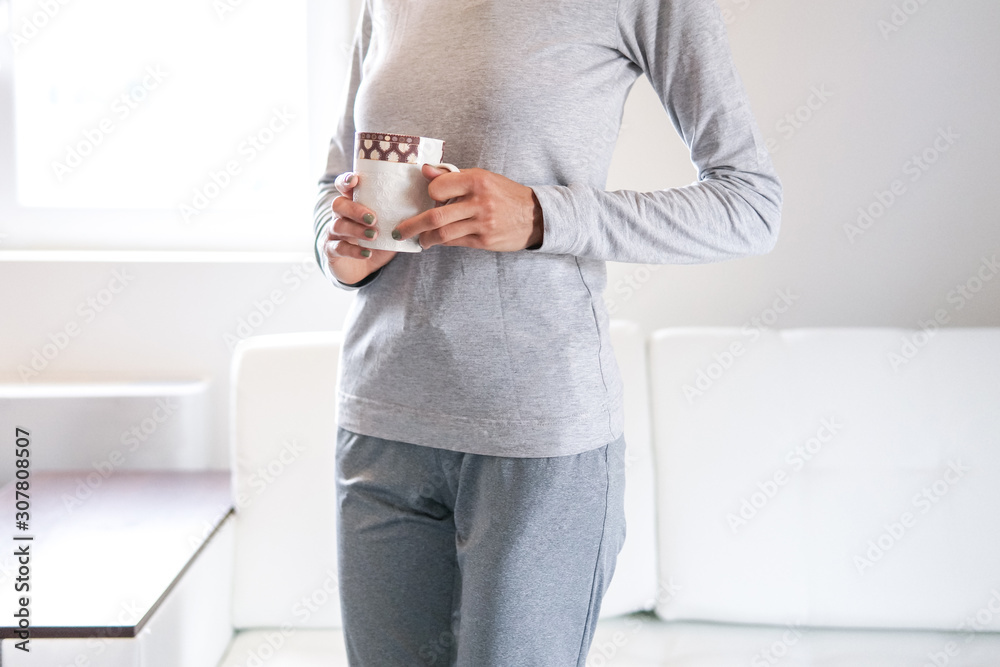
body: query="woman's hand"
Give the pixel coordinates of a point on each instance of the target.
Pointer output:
(487, 211)
(349, 262)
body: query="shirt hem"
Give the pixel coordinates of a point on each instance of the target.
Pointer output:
(541, 438)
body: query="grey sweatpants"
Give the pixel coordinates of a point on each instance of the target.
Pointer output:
(449, 558)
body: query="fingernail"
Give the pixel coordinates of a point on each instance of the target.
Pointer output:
(368, 218)
(370, 233)
(396, 235)
(366, 253)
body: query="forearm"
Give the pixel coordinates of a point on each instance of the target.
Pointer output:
(344, 272)
(732, 214)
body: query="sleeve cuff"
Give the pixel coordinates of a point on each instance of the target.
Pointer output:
(558, 230)
(364, 281)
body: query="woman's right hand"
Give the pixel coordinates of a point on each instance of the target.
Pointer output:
(349, 262)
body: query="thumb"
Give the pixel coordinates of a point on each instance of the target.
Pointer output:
(431, 172)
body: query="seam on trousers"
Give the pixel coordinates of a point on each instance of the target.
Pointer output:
(455, 618)
(581, 658)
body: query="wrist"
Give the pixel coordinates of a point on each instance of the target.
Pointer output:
(348, 271)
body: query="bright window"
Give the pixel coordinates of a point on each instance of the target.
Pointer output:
(185, 124)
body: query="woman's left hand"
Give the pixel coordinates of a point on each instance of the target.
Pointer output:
(487, 211)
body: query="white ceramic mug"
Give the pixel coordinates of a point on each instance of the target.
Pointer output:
(391, 184)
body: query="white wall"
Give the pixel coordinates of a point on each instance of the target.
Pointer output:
(888, 100)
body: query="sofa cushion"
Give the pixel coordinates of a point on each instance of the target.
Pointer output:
(633, 587)
(835, 477)
(283, 441)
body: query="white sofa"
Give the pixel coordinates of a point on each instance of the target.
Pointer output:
(799, 497)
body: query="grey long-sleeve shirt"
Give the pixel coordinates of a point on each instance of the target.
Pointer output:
(508, 353)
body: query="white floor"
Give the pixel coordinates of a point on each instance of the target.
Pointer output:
(638, 641)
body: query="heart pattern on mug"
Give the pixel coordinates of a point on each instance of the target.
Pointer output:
(388, 147)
